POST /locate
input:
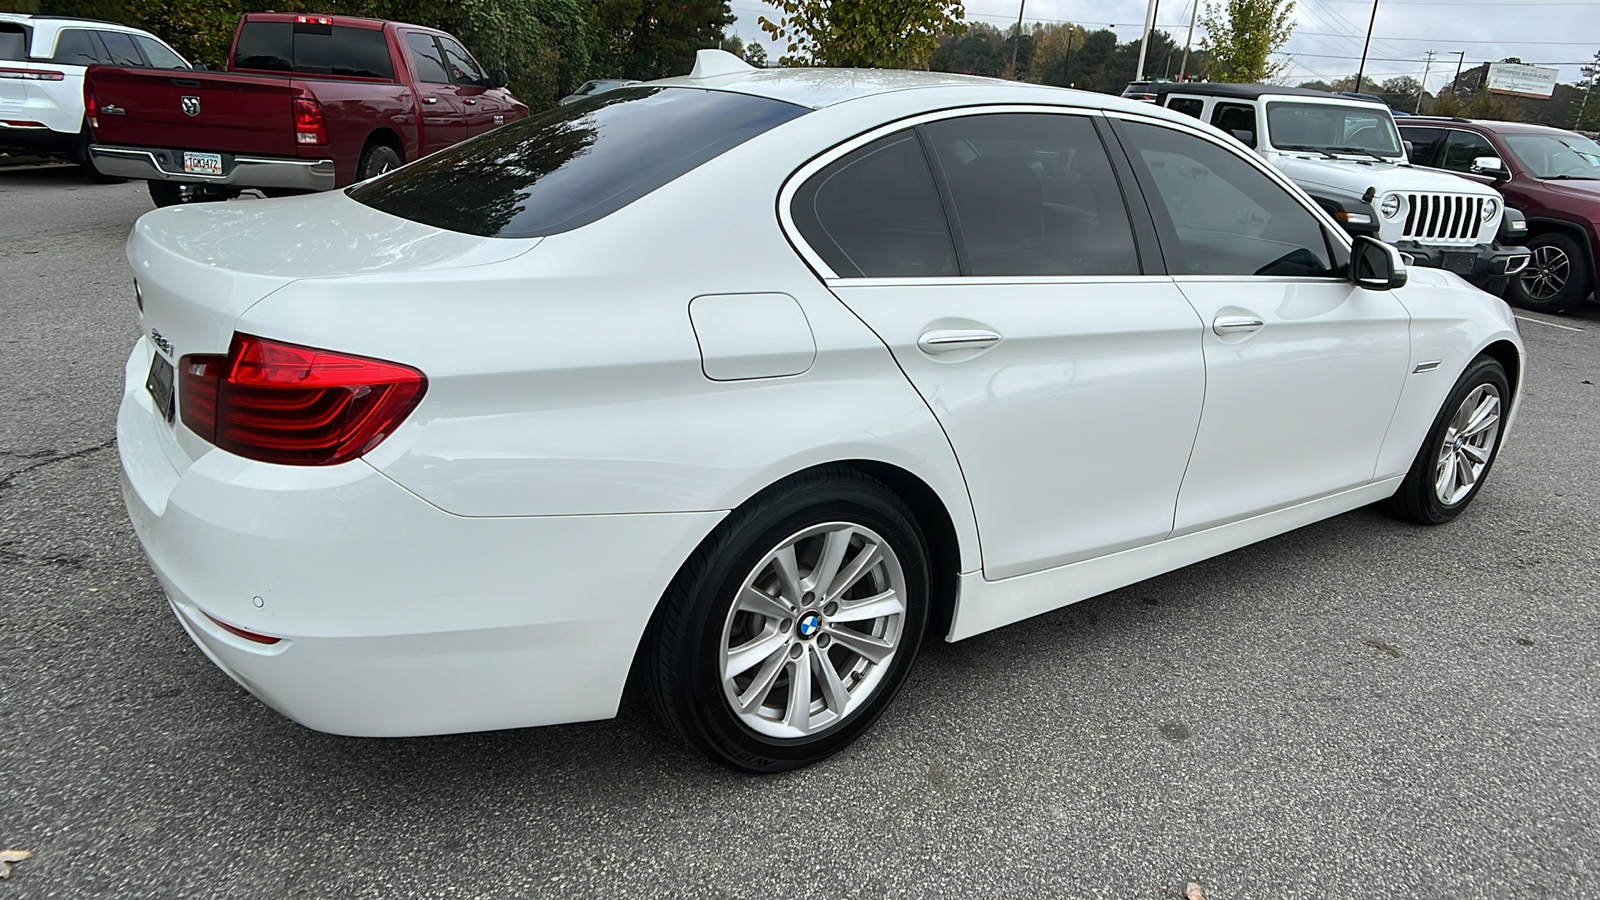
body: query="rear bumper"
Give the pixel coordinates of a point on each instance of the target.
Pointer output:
(1476, 264)
(43, 141)
(160, 164)
(392, 617)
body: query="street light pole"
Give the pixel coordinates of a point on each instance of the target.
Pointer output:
(1361, 71)
(1144, 42)
(1017, 41)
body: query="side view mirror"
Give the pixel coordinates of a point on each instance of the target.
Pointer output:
(1489, 165)
(1376, 266)
(499, 78)
(1410, 150)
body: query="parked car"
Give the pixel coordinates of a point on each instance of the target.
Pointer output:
(308, 103)
(1142, 90)
(42, 62)
(1552, 176)
(909, 357)
(1347, 154)
(597, 86)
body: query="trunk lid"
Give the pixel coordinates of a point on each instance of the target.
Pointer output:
(211, 111)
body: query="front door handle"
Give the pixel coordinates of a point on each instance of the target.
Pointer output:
(951, 340)
(1236, 324)
(430, 99)
(471, 102)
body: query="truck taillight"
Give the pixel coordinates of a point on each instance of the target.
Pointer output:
(299, 406)
(91, 108)
(313, 20)
(308, 125)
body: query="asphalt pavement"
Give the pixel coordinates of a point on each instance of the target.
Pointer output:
(1361, 708)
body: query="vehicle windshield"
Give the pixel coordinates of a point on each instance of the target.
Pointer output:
(1334, 128)
(1556, 155)
(569, 166)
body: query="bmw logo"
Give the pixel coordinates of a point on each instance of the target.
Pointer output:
(810, 623)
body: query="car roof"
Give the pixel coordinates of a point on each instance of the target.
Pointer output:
(46, 22)
(1246, 91)
(818, 88)
(1490, 125)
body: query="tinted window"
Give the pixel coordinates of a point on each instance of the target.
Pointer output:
(568, 166)
(265, 45)
(1236, 119)
(461, 65)
(121, 48)
(1189, 106)
(76, 47)
(1556, 155)
(1461, 148)
(13, 41)
(1226, 216)
(157, 53)
(425, 59)
(361, 51)
(1033, 195)
(1329, 127)
(1425, 144)
(875, 213)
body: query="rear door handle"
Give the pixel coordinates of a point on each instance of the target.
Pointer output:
(1236, 324)
(951, 340)
(471, 102)
(430, 99)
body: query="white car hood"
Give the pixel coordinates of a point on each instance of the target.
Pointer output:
(1355, 176)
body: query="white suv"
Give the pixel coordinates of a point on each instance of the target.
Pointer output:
(42, 61)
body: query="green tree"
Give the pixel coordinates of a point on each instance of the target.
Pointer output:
(1242, 35)
(648, 39)
(885, 34)
(755, 55)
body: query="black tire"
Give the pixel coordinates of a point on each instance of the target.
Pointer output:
(86, 162)
(1496, 285)
(376, 160)
(1418, 499)
(687, 639)
(173, 193)
(1557, 277)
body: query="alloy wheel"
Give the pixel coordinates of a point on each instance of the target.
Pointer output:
(1468, 445)
(813, 630)
(1548, 270)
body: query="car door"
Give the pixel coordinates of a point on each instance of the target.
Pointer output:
(1005, 278)
(443, 122)
(479, 105)
(1460, 149)
(1303, 368)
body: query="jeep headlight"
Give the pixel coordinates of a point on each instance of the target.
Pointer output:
(1390, 206)
(1491, 208)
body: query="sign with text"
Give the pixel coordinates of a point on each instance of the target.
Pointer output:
(1521, 80)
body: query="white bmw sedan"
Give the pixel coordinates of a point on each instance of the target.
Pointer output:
(755, 381)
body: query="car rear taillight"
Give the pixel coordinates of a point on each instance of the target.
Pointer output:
(32, 75)
(299, 406)
(308, 125)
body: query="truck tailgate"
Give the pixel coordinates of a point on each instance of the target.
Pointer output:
(211, 111)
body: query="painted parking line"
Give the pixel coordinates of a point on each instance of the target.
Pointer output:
(1551, 324)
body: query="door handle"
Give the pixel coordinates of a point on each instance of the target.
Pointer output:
(1236, 324)
(471, 102)
(949, 341)
(430, 99)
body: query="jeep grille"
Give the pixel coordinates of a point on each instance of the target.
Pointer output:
(1443, 218)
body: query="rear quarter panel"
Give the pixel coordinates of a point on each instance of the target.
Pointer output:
(355, 111)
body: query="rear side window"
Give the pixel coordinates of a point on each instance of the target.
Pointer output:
(875, 213)
(1425, 144)
(77, 47)
(312, 49)
(121, 48)
(1237, 119)
(574, 164)
(13, 41)
(158, 54)
(425, 58)
(1189, 106)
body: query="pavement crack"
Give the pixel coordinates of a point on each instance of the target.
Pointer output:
(6, 481)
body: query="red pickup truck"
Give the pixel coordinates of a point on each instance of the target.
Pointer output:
(308, 103)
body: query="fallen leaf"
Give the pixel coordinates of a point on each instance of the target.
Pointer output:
(7, 857)
(30, 252)
(1192, 892)
(94, 590)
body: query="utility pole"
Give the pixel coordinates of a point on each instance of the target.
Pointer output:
(1424, 88)
(1017, 41)
(1362, 71)
(1144, 42)
(1455, 85)
(1183, 69)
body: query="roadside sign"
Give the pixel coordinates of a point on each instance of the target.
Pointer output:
(1522, 81)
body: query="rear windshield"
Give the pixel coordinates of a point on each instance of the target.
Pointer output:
(13, 41)
(574, 164)
(310, 49)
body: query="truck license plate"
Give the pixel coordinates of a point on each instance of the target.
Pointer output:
(159, 384)
(1459, 263)
(202, 163)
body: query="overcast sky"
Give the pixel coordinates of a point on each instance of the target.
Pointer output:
(1328, 34)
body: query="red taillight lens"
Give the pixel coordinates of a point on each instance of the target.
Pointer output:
(308, 125)
(313, 20)
(283, 403)
(32, 75)
(247, 635)
(91, 107)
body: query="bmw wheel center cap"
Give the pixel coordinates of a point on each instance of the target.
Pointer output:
(810, 624)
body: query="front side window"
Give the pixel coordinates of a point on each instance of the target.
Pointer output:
(426, 59)
(1033, 194)
(875, 213)
(1225, 216)
(1322, 126)
(77, 47)
(159, 55)
(1461, 148)
(461, 65)
(568, 166)
(1556, 155)
(122, 50)
(1237, 119)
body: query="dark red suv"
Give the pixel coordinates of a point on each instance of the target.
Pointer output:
(1552, 176)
